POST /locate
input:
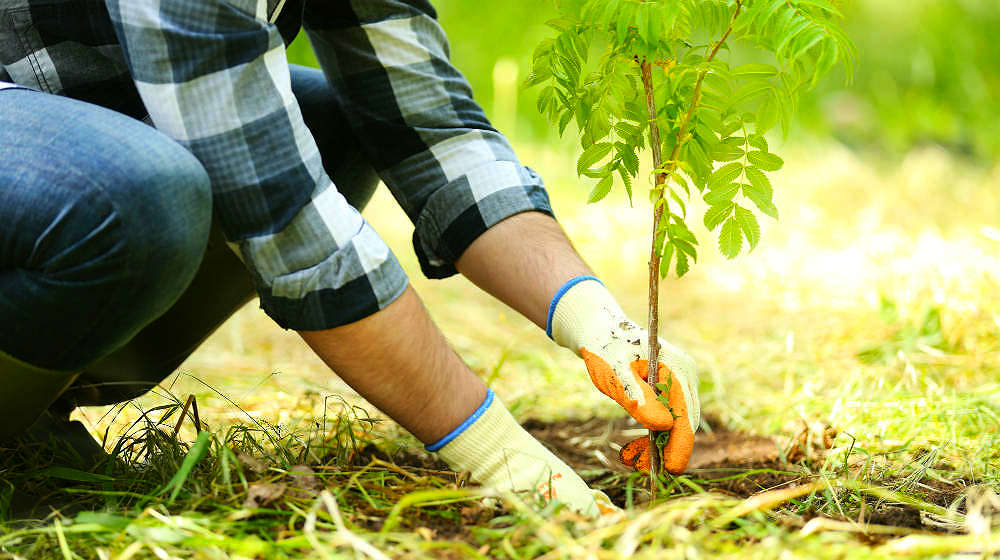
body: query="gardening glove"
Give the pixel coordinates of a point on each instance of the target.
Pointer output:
(635, 454)
(501, 455)
(585, 318)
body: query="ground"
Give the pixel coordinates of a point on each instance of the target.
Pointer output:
(848, 376)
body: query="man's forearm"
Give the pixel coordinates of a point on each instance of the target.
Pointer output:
(523, 261)
(400, 362)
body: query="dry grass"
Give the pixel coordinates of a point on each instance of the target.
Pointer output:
(861, 258)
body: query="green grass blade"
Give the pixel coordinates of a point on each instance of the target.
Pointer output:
(194, 455)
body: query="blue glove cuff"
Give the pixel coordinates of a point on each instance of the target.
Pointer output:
(559, 294)
(436, 446)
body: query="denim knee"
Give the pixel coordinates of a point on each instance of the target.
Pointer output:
(106, 223)
(159, 214)
(167, 187)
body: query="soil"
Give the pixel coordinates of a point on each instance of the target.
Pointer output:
(730, 462)
(581, 443)
(719, 455)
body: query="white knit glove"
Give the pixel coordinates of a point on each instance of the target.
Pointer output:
(585, 318)
(501, 455)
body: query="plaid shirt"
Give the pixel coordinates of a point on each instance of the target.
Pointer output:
(212, 74)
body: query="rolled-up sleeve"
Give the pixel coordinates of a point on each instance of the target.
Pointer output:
(451, 171)
(213, 76)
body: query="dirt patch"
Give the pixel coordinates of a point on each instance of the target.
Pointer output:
(727, 461)
(934, 491)
(586, 445)
(724, 461)
(723, 448)
(746, 480)
(897, 517)
(593, 444)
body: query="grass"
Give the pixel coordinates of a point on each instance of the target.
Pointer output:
(872, 307)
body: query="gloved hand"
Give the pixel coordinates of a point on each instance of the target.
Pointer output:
(586, 319)
(500, 454)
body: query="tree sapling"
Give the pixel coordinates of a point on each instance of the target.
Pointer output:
(702, 81)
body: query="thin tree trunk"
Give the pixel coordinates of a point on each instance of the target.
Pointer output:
(658, 208)
(654, 265)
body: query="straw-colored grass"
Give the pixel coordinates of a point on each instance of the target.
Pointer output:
(873, 306)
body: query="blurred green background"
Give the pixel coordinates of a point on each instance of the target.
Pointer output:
(928, 72)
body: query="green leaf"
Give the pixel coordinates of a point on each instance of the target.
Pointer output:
(715, 215)
(767, 115)
(679, 230)
(749, 226)
(826, 61)
(722, 195)
(717, 85)
(592, 155)
(681, 182)
(626, 129)
(665, 258)
(711, 118)
(760, 192)
(682, 264)
(765, 161)
(725, 175)
(680, 202)
(730, 239)
(698, 160)
(760, 181)
(601, 190)
(538, 75)
(626, 18)
(545, 97)
(751, 90)
(560, 24)
(641, 19)
(627, 180)
(762, 200)
(758, 141)
(732, 123)
(658, 240)
(755, 71)
(663, 438)
(629, 159)
(727, 152)
(685, 247)
(564, 120)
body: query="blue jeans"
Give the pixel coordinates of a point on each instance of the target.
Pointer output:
(103, 259)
